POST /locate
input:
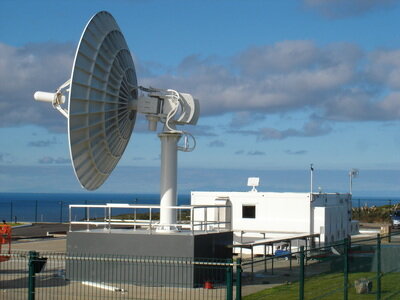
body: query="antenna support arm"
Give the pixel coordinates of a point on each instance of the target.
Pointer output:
(56, 99)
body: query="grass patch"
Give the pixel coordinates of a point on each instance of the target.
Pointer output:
(330, 287)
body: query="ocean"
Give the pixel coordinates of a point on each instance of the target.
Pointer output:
(41, 207)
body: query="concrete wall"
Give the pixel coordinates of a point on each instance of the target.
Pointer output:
(154, 259)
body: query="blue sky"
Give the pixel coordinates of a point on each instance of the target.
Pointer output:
(282, 84)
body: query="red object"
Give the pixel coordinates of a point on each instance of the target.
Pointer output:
(208, 285)
(5, 238)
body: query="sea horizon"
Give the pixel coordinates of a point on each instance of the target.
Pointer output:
(54, 207)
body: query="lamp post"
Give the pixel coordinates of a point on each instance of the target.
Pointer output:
(353, 173)
(311, 179)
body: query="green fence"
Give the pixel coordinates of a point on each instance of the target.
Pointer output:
(33, 275)
(360, 269)
(329, 272)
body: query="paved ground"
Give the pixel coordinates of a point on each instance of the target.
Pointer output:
(38, 230)
(49, 244)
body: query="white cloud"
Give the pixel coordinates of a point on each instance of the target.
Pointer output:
(48, 160)
(6, 158)
(313, 127)
(346, 8)
(336, 82)
(255, 153)
(42, 143)
(23, 70)
(296, 152)
(384, 67)
(216, 143)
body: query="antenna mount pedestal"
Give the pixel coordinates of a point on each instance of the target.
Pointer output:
(168, 182)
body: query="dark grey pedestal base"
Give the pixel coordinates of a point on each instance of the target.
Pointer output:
(147, 259)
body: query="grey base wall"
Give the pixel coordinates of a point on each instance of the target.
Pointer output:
(155, 260)
(208, 245)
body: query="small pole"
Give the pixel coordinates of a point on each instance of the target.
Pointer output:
(265, 258)
(351, 183)
(301, 275)
(36, 210)
(346, 269)
(252, 261)
(86, 211)
(352, 174)
(378, 266)
(272, 261)
(11, 211)
(290, 256)
(311, 179)
(135, 213)
(239, 271)
(31, 274)
(229, 283)
(61, 205)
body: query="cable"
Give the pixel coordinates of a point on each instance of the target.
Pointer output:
(176, 101)
(186, 148)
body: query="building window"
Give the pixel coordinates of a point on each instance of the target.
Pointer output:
(248, 211)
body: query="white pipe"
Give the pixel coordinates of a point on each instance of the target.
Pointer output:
(168, 182)
(103, 286)
(47, 97)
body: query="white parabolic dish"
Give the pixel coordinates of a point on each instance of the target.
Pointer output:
(102, 87)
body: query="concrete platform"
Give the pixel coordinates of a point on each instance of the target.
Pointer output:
(172, 253)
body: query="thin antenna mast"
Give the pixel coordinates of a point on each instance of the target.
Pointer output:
(353, 173)
(311, 179)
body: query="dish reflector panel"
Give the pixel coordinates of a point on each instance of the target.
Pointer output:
(103, 87)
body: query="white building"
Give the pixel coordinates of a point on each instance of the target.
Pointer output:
(266, 215)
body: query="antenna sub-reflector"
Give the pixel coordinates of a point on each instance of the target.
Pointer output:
(48, 97)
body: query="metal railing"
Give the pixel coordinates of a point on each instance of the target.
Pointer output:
(197, 217)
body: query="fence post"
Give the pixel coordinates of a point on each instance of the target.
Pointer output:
(239, 279)
(346, 270)
(378, 266)
(31, 274)
(229, 282)
(61, 210)
(36, 210)
(11, 211)
(301, 275)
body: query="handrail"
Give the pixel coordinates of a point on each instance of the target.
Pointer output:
(203, 224)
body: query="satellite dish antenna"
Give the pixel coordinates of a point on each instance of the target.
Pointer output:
(253, 182)
(103, 100)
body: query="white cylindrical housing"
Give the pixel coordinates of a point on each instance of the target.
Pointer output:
(153, 120)
(168, 186)
(47, 97)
